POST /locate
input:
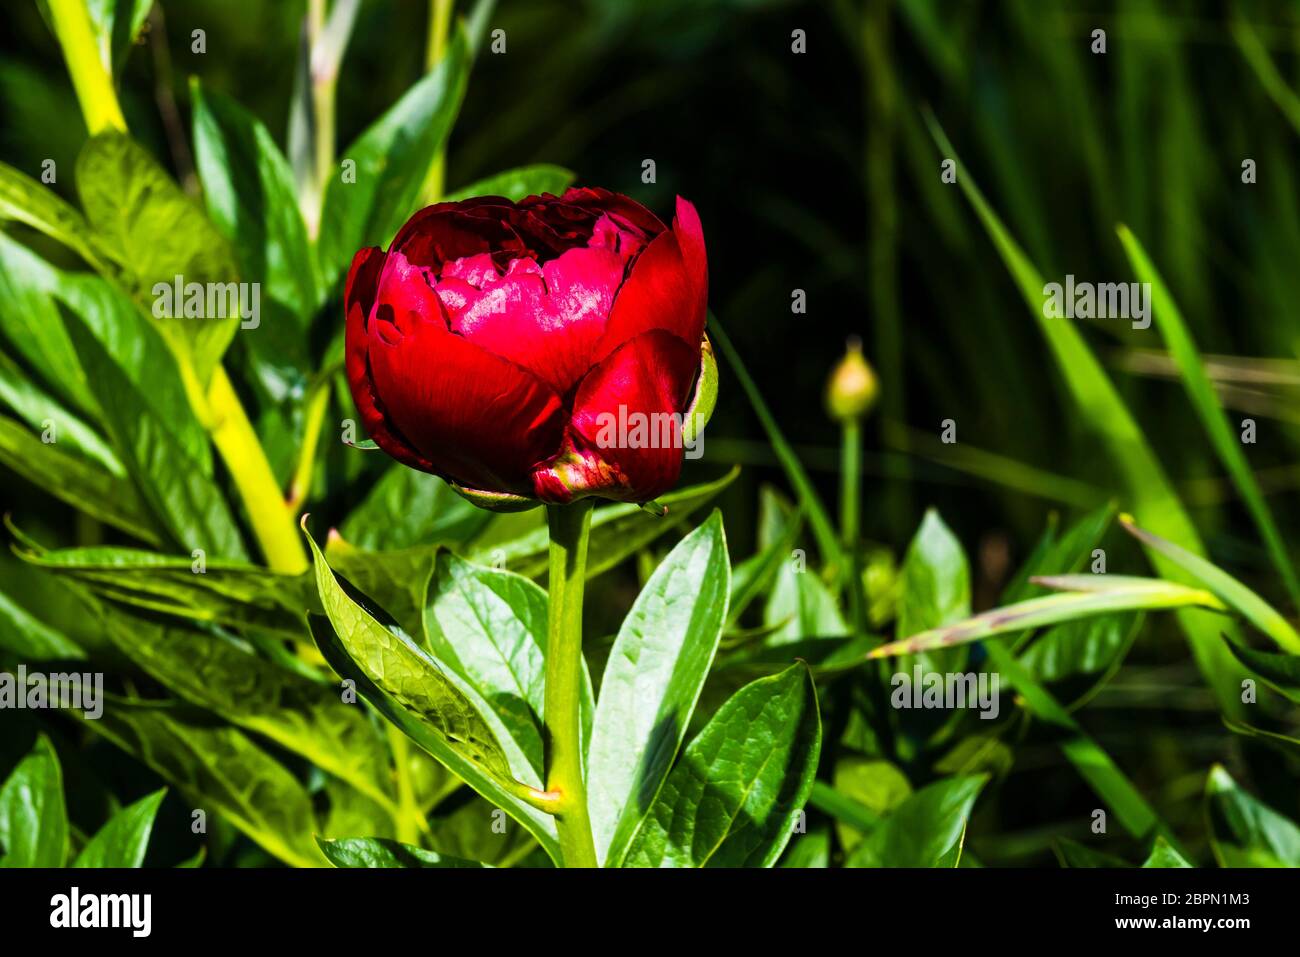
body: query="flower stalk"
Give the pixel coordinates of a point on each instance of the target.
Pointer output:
(91, 76)
(570, 528)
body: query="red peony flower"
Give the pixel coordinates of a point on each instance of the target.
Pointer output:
(532, 350)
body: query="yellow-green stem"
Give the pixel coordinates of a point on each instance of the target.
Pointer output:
(272, 522)
(313, 418)
(91, 77)
(436, 48)
(570, 527)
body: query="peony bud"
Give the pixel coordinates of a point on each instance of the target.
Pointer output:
(852, 388)
(545, 350)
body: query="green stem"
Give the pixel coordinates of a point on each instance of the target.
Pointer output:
(850, 497)
(317, 405)
(436, 48)
(91, 77)
(570, 526)
(272, 521)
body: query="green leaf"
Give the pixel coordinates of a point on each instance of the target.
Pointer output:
(391, 159)
(934, 590)
(490, 627)
(517, 183)
(1163, 855)
(801, 607)
(249, 191)
(867, 790)
(926, 830)
(225, 677)
(406, 685)
(123, 840)
(40, 411)
(396, 581)
(72, 479)
(30, 638)
(1073, 854)
(733, 798)
(382, 852)
(406, 507)
(652, 680)
(1169, 320)
(219, 769)
(1104, 413)
(1085, 647)
(1245, 832)
(26, 201)
(1059, 556)
(183, 498)
(617, 532)
(232, 593)
(154, 233)
(33, 819)
(1231, 591)
(752, 577)
(1105, 594)
(812, 850)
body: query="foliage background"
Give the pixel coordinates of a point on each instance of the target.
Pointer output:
(817, 172)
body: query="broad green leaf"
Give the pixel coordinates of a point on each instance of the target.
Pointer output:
(1244, 832)
(874, 785)
(219, 769)
(223, 676)
(1226, 442)
(154, 233)
(43, 413)
(924, 830)
(1141, 475)
(406, 685)
(1084, 647)
(517, 183)
(224, 592)
(752, 577)
(396, 581)
(1061, 555)
(81, 484)
(122, 842)
(1163, 855)
(377, 185)
(472, 830)
(812, 850)
(800, 607)
(249, 191)
(732, 798)
(934, 590)
(1106, 594)
(26, 201)
(33, 818)
(1231, 591)
(381, 852)
(823, 530)
(181, 496)
(405, 508)
(652, 680)
(617, 532)
(490, 627)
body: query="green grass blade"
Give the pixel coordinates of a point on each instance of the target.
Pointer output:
(819, 520)
(1142, 478)
(1201, 391)
(1232, 592)
(1128, 594)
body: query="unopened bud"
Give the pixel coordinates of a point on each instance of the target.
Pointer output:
(852, 388)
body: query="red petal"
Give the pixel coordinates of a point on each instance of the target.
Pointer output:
(475, 417)
(624, 401)
(667, 288)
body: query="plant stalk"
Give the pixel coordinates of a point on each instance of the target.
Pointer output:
(272, 521)
(91, 76)
(435, 50)
(570, 527)
(850, 499)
